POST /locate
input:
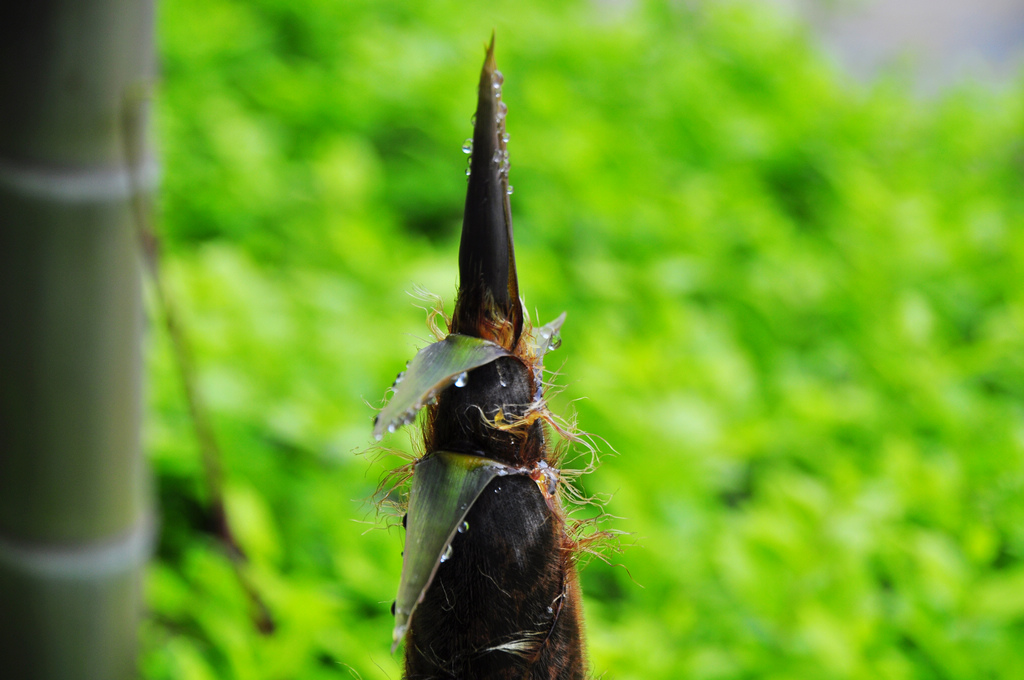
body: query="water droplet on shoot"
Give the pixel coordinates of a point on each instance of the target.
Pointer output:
(464, 527)
(462, 379)
(468, 172)
(447, 555)
(505, 138)
(551, 610)
(391, 427)
(510, 189)
(502, 111)
(552, 483)
(499, 78)
(555, 342)
(467, 146)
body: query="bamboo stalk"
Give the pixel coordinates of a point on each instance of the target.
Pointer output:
(75, 512)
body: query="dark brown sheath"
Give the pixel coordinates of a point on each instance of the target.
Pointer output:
(504, 599)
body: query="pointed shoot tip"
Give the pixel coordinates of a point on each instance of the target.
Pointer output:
(488, 286)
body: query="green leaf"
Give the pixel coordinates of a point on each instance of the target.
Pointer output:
(546, 337)
(444, 487)
(434, 368)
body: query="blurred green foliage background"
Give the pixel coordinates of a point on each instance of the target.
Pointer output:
(794, 309)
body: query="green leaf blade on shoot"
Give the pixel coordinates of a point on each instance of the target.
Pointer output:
(434, 368)
(547, 338)
(444, 488)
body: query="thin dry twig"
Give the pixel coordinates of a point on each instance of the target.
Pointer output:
(149, 245)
